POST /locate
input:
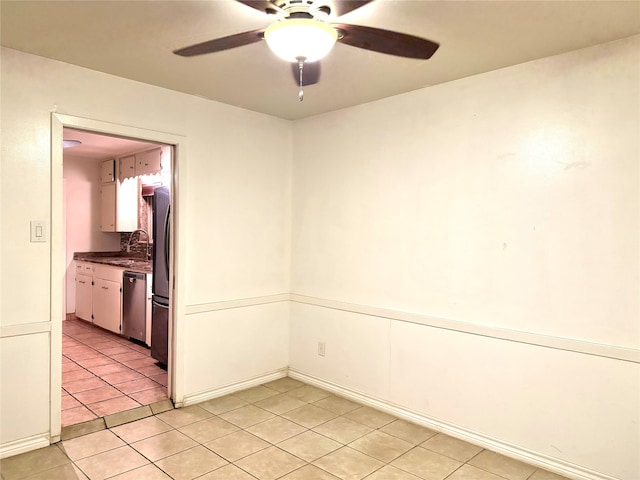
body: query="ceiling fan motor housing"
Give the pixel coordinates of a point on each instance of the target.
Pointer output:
(310, 7)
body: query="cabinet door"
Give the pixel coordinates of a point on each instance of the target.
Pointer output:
(107, 171)
(108, 207)
(83, 296)
(127, 167)
(149, 163)
(127, 195)
(107, 304)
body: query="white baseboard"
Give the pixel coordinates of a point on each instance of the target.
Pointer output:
(24, 445)
(554, 465)
(234, 387)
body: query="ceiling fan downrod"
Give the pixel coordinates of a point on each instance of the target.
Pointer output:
(300, 68)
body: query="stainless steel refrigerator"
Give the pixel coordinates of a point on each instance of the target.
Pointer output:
(160, 283)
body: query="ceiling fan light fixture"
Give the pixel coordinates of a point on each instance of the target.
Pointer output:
(300, 38)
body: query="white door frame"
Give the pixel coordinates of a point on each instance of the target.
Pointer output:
(58, 123)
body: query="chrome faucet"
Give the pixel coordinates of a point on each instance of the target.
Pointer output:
(148, 257)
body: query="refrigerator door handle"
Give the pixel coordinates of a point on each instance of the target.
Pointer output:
(167, 234)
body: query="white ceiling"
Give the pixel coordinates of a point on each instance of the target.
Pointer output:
(96, 146)
(135, 39)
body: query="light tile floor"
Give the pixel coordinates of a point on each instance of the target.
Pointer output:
(281, 430)
(103, 373)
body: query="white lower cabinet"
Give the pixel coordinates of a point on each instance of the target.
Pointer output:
(107, 304)
(99, 295)
(83, 296)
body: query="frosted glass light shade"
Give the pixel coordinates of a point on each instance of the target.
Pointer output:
(300, 38)
(70, 143)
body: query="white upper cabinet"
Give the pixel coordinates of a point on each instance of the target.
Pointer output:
(107, 171)
(127, 205)
(149, 163)
(120, 189)
(127, 167)
(108, 201)
(143, 163)
(119, 207)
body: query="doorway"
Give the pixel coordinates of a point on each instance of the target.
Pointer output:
(100, 368)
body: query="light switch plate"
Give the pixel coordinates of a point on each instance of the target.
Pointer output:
(38, 231)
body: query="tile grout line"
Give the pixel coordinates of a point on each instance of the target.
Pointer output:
(103, 337)
(196, 414)
(344, 445)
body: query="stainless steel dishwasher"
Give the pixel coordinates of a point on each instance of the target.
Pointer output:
(134, 305)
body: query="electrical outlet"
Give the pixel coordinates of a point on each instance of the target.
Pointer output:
(321, 349)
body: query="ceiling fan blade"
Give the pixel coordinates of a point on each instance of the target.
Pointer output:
(346, 6)
(265, 6)
(310, 73)
(386, 41)
(224, 43)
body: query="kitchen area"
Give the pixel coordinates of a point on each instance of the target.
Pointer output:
(117, 225)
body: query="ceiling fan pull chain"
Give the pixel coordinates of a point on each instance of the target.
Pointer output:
(300, 66)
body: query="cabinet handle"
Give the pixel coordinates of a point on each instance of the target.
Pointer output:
(105, 288)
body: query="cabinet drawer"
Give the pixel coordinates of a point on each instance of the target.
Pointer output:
(84, 268)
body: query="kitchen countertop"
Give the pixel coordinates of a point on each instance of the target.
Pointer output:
(116, 259)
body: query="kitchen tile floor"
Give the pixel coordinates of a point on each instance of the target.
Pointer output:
(281, 430)
(103, 373)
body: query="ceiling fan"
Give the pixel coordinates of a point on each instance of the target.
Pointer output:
(304, 33)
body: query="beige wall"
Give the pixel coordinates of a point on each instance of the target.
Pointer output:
(233, 215)
(470, 252)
